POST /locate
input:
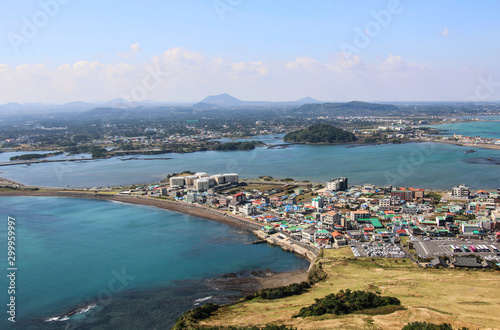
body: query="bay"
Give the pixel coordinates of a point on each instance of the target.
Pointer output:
(488, 127)
(74, 253)
(426, 165)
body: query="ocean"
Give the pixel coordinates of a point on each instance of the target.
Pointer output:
(426, 165)
(91, 263)
(489, 128)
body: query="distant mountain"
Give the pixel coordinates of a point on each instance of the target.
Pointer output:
(304, 105)
(41, 108)
(339, 109)
(105, 111)
(204, 106)
(307, 100)
(76, 106)
(224, 100)
(119, 103)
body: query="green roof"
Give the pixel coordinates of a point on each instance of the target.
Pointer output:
(367, 219)
(376, 223)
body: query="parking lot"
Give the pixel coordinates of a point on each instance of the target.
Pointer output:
(441, 246)
(377, 250)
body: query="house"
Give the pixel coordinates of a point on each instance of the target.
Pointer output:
(246, 209)
(339, 238)
(269, 229)
(414, 230)
(191, 197)
(234, 206)
(409, 209)
(355, 215)
(308, 235)
(374, 222)
(384, 203)
(439, 262)
(481, 194)
(461, 191)
(468, 262)
(317, 202)
(337, 184)
(419, 193)
(323, 238)
(403, 194)
(355, 234)
(201, 199)
(241, 197)
(331, 218)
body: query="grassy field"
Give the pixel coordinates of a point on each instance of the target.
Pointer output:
(459, 297)
(252, 186)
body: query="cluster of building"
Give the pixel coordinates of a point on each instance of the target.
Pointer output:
(474, 140)
(471, 141)
(202, 182)
(339, 214)
(197, 135)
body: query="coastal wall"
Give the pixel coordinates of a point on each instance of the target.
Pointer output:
(305, 250)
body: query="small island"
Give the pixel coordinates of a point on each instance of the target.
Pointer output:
(34, 156)
(320, 133)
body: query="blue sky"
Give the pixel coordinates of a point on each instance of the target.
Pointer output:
(252, 49)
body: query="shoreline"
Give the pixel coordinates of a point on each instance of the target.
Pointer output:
(278, 279)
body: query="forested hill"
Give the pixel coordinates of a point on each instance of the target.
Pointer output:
(349, 108)
(320, 133)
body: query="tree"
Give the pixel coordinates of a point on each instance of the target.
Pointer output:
(320, 133)
(427, 326)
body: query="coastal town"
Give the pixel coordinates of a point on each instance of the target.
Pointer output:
(250, 165)
(191, 135)
(433, 229)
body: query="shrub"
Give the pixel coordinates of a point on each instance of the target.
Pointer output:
(427, 326)
(280, 292)
(187, 320)
(346, 303)
(316, 274)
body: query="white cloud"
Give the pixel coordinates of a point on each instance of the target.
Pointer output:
(343, 62)
(396, 63)
(445, 32)
(134, 49)
(249, 68)
(302, 63)
(184, 75)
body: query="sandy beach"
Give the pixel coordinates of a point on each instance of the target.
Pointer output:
(275, 280)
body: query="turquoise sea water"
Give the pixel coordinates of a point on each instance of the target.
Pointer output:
(427, 165)
(488, 129)
(137, 263)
